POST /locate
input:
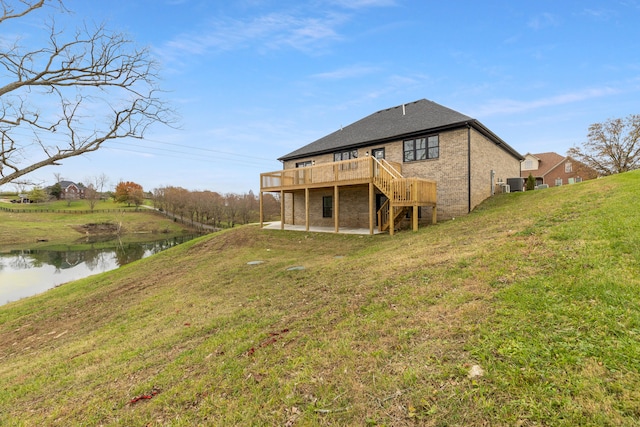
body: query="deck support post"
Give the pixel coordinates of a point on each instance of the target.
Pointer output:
(372, 206)
(414, 217)
(281, 209)
(336, 213)
(434, 218)
(293, 208)
(306, 208)
(392, 219)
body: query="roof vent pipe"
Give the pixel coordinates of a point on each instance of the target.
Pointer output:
(403, 109)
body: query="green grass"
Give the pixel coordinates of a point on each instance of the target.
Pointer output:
(539, 288)
(37, 230)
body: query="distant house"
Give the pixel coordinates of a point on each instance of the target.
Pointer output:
(71, 190)
(554, 170)
(416, 162)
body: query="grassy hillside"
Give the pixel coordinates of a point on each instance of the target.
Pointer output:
(538, 291)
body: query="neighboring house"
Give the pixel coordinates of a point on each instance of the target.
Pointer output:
(71, 190)
(554, 170)
(418, 161)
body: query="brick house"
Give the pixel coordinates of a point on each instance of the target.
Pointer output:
(554, 170)
(71, 190)
(403, 166)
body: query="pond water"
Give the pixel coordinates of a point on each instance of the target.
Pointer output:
(25, 273)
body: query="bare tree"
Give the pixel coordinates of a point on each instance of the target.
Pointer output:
(159, 199)
(248, 207)
(215, 209)
(231, 208)
(100, 182)
(20, 186)
(94, 189)
(611, 147)
(271, 206)
(91, 195)
(103, 86)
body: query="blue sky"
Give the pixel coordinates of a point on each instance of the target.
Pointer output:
(255, 79)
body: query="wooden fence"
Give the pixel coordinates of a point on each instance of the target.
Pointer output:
(69, 211)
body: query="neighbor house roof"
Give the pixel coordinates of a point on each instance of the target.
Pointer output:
(67, 184)
(547, 162)
(395, 123)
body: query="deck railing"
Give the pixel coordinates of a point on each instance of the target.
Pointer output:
(354, 170)
(385, 175)
(408, 191)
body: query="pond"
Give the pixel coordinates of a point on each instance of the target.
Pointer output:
(25, 273)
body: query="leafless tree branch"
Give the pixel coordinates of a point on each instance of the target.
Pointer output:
(104, 87)
(24, 7)
(611, 147)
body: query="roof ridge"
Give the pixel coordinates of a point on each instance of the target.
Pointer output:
(398, 106)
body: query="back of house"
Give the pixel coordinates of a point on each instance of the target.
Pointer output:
(417, 143)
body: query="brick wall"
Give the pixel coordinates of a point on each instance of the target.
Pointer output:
(485, 157)
(353, 205)
(577, 170)
(449, 171)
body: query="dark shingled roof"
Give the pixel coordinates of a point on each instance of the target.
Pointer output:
(66, 184)
(392, 124)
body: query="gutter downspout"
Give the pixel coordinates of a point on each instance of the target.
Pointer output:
(469, 165)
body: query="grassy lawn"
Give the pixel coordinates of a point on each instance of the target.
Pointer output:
(57, 222)
(539, 290)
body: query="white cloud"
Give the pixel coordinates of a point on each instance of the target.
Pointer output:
(272, 31)
(357, 4)
(543, 20)
(635, 4)
(346, 73)
(510, 106)
(599, 14)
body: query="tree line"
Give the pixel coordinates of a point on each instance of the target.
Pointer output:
(215, 209)
(204, 207)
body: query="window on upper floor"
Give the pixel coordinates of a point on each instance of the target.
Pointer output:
(421, 148)
(528, 164)
(345, 155)
(304, 164)
(568, 168)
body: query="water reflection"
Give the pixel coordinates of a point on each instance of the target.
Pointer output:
(28, 272)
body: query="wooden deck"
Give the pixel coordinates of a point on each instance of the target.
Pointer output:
(402, 193)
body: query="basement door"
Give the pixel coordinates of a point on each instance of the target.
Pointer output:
(380, 200)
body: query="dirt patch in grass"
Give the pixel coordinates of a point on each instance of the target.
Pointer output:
(98, 229)
(240, 238)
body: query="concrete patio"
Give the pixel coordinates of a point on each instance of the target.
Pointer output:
(343, 230)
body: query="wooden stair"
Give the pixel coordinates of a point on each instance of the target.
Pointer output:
(384, 215)
(403, 194)
(384, 182)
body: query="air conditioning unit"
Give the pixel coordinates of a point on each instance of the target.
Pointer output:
(516, 184)
(505, 188)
